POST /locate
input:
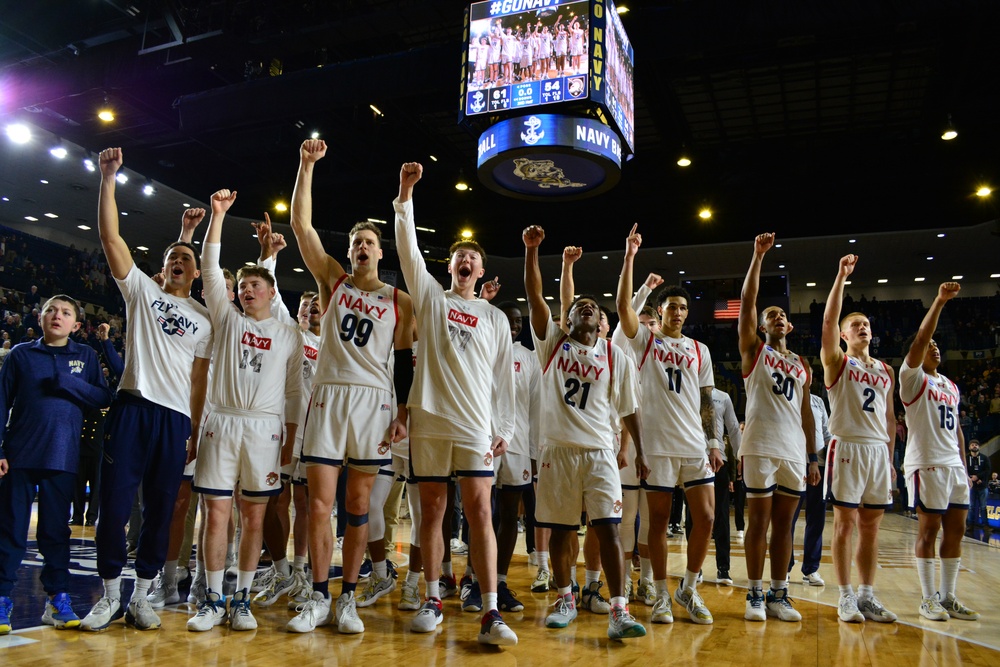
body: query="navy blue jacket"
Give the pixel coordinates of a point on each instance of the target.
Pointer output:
(46, 389)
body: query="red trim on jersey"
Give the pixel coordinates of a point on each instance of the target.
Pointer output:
(831, 457)
(919, 393)
(645, 353)
(332, 292)
(839, 373)
(611, 365)
(892, 380)
(555, 351)
(760, 348)
(697, 351)
(395, 312)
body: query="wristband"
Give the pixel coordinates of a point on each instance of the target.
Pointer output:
(813, 458)
(714, 444)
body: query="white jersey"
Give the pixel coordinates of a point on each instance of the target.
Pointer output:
(527, 374)
(672, 372)
(165, 333)
(775, 387)
(466, 375)
(857, 402)
(359, 333)
(258, 364)
(584, 390)
(931, 404)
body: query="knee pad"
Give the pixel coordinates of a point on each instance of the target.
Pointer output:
(357, 519)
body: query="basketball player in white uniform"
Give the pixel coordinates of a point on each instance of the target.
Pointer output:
(461, 407)
(351, 419)
(859, 471)
(587, 385)
(159, 405)
(679, 418)
(934, 464)
(257, 380)
(778, 439)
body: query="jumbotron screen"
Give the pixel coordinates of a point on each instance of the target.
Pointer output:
(619, 58)
(526, 53)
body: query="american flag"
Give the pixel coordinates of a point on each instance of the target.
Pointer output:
(727, 309)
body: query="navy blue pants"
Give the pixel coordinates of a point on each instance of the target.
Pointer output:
(17, 493)
(145, 443)
(815, 505)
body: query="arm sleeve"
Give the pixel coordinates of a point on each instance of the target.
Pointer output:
(293, 385)
(215, 283)
(279, 310)
(115, 363)
(503, 380)
(639, 300)
(418, 281)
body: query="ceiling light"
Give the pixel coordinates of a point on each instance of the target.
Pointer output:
(31, 218)
(83, 227)
(124, 212)
(433, 159)
(461, 185)
(548, 298)
(949, 131)
(941, 235)
(557, 280)
(249, 264)
(375, 109)
(281, 207)
(918, 280)
(298, 270)
(121, 177)
(466, 234)
(425, 229)
(984, 191)
(847, 282)
(58, 152)
(810, 284)
(19, 134)
(521, 299)
(43, 182)
(681, 272)
(852, 241)
(148, 189)
(957, 277)
(196, 242)
(684, 161)
(882, 281)
(5, 198)
(314, 135)
(89, 164)
(106, 115)
(995, 275)
(781, 266)
(608, 294)
(186, 205)
(51, 215)
(930, 257)
(705, 214)
(622, 10)
(670, 252)
(777, 245)
(604, 256)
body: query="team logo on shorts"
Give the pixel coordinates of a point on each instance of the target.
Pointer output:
(488, 460)
(383, 447)
(617, 507)
(275, 437)
(525, 475)
(272, 478)
(384, 407)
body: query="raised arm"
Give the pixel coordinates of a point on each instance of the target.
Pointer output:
(190, 220)
(567, 285)
(115, 248)
(221, 203)
(653, 281)
(628, 319)
(830, 354)
(411, 262)
(324, 268)
(271, 244)
(747, 327)
(538, 311)
(918, 349)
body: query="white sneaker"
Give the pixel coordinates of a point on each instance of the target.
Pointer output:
(695, 605)
(263, 579)
(162, 595)
(847, 610)
(198, 592)
(591, 598)
(564, 614)
(348, 621)
(314, 613)
(778, 604)
(429, 617)
(240, 616)
(755, 610)
(533, 559)
(140, 615)
(495, 632)
(931, 609)
(278, 586)
(102, 614)
(646, 592)
(541, 582)
(211, 613)
(813, 579)
(375, 589)
(458, 547)
(873, 610)
(663, 609)
(301, 590)
(409, 600)
(958, 610)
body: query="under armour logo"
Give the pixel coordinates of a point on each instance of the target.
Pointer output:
(317, 404)
(210, 433)
(845, 460)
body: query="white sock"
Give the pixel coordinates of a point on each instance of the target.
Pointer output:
(412, 578)
(489, 602)
(592, 576)
(949, 576)
(690, 579)
(618, 601)
(299, 564)
(446, 568)
(432, 589)
(846, 589)
(661, 586)
(381, 571)
(779, 584)
(543, 561)
(501, 578)
(213, 580)
(865, 592)
(245, 579)
(141, 589)
(926, 574)
(645, 569)
(169, 574)
(282, 567)
(756, 585)
(113, 588)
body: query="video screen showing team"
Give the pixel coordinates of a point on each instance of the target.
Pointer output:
(591, 425)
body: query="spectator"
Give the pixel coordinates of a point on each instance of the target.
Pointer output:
(978, 466)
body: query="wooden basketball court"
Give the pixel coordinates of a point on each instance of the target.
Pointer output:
(820, 639)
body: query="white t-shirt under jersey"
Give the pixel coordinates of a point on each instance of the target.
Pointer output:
(465, 371)
(774, 406)
(857, 402)
(165, 333)
(257, 364)
(584, 390)
(931, 404)
(527, 375)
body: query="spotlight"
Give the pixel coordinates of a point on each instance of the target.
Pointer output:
(19, 134)
(949, 131)
(705, 213)
(89, 164)
(121, 177)
(984, 191)
(106, 115)
(148, 190)
(281, 207)
(58, 152)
